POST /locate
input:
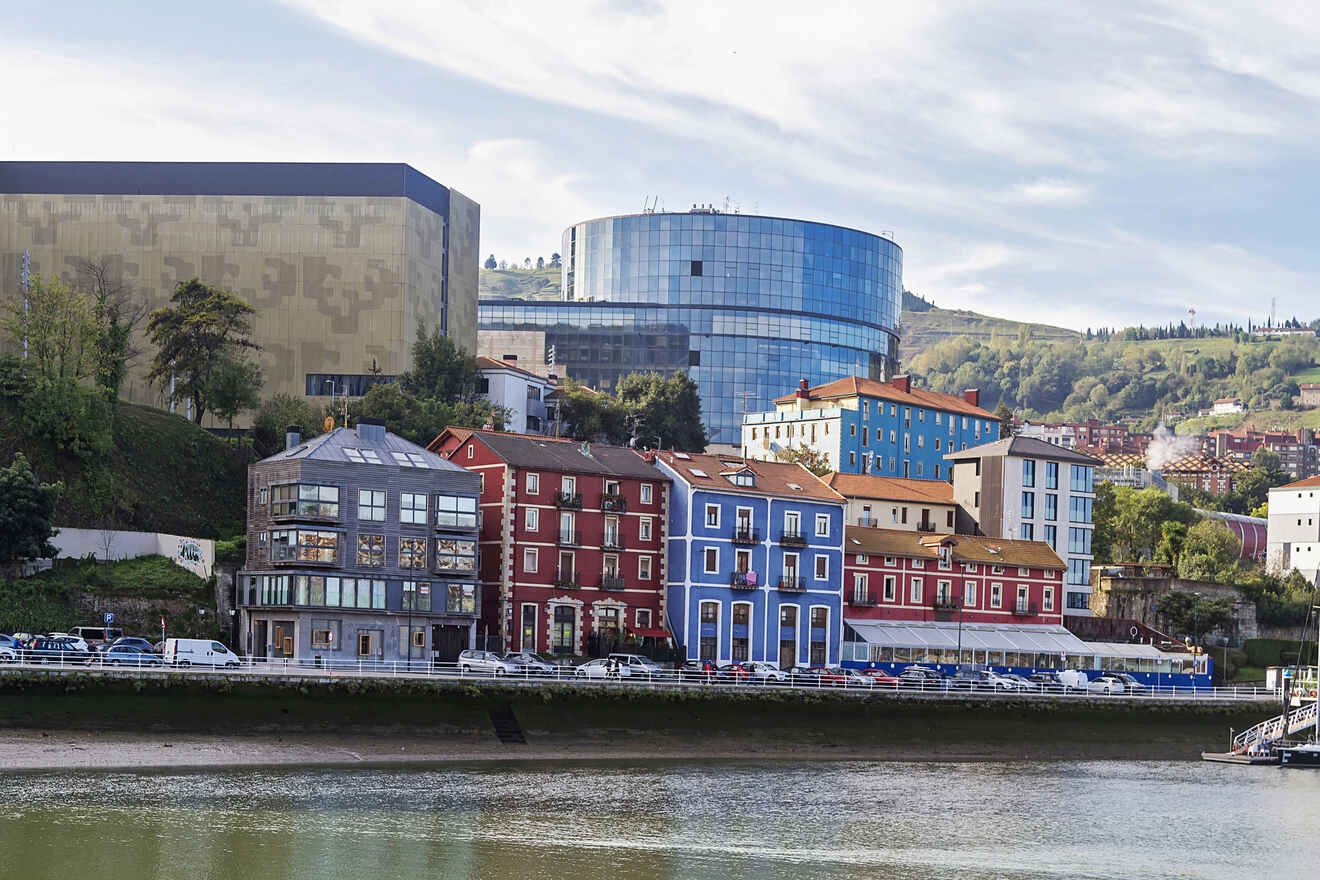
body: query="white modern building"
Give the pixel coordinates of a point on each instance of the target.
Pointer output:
(1294, 528)
(522, 393)
(1227, 406)
(1027, 489)
(895, 503)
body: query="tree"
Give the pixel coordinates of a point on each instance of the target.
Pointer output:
(663, 413)
(1210, 553)
(1173, 535)
(1138, 521)
(118, 313)
(26, 514)
(490, 262)
(60, 327)
(1103, 513)
(1191, 614)
(812, 459)
(420, 420)
(527, 263)
(1005, 416)
(277, 413)
(194, 336)
(540, 263)
(590, 415)
(441, 370)
(555, 260)
(235, 385)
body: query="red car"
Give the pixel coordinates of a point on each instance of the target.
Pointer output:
(880, 677)
(822, 676)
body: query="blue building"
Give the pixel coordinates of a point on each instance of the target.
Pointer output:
(863, 426)
(741, 303)
(755, 568)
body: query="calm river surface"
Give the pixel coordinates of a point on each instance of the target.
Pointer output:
(587, 820)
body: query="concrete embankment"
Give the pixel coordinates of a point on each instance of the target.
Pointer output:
(449, 720)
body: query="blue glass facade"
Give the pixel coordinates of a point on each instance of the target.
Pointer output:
(742, 303)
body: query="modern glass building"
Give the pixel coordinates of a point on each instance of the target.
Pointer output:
(747, 305)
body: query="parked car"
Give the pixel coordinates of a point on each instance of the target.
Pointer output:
(972, 680)
(1107, 684)
(922, 675)
(1023, 683)
(47, 650)
(820, 676)
(77, 641)
(638, 664)
(134, 642)
(734, 672)
(8, 654)
(528, 663)
(880, 678)
(760, 672)
(850, 677)
(97, 636)
(199, 652)
(484, 661)
(1131, 684)
(1060, 681)
(12, 642)
(604, 667)
(128, 655)
(700, 669)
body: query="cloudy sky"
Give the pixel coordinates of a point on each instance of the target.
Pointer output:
(1078, 164)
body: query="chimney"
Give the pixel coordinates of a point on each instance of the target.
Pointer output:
(511, 359)
(371, 431)
(972, 396)
(902, 383)
(292, 437)
(802, 390)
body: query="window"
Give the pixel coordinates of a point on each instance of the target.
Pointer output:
(365, 644)
(890, 582)
(792, 524)
(530, 559)
(948, 519)
(921, 441)
(1047, 601)
(644, 568)
(371, 551)
(643, 618)
(457, 555)
(304, 545)
(712, 560)
(852, 459)
(563, 632)
(822, 568)
(866, 410)
(322, 638)
(416, 596)
(469, 450)
(710, 612)
(412, 553)
(852, 430)
(644, 528)
(920, 467)
(531, 519)
(822, 525)
(1079, 600)
(1051, 537)
(696, 268)
(305, 499)
(1028, 532)
(860, 593)
(788, 615)
(1081, 478)
(820, 617)
(1028, 505)
(996, 595)
(646, 493)
(861, 559)
(533, 484)
(1079, 541)
(1024, 572)
(915, 591)
(371, 505)
(1079, 509)
(455, 512)
(409, 459)
(568, 485)
(1051, 506)
(712, 516)
(1051, 475)
(412, 508)
(1028, 473)
(969, 594)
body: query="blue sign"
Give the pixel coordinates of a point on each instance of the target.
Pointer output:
(109, 617)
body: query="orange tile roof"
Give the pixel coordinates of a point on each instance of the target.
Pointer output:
(854, 385)
(772, 477)
(966, 548)
(1300, 484)
(890, 488)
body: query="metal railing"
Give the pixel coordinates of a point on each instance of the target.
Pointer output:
(571, 500)
(566, 579)
(613, 503)
(612, 541)
(792, 539)
(611, 581)
(1024, 609)
(862, 599)
(569, 537)
(743, 580)
(793, 583)
(567, 671)
(745, 536)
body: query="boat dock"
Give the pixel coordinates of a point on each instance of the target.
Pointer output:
(1235, 758)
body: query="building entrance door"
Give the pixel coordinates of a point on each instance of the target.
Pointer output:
(446, 641)
(258, 647)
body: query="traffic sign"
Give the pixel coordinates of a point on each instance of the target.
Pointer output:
(109, 617)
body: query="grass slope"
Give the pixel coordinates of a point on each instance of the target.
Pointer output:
(923, 329)
(536, 284)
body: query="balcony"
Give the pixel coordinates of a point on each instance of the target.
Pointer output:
(792, 539)
(570, 538)
(743, 535)
(612, 541)
(572, 501)
(566, 579)
(1025, 609)
(868, 522)
(944, 603)
(925, 526)
(612, 503)
(862, 600)
(611, 581)
(792, 584)
(743, 580)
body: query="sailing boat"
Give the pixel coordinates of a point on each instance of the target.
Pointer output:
(1306, 754)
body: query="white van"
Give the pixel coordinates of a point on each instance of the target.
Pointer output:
(199, 652)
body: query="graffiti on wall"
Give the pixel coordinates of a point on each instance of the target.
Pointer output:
(189, 555)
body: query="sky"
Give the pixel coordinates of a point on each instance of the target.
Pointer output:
(1075, 164)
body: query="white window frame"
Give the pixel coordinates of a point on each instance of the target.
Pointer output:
(533, 483)
(646, 495)
(796, 517)
(996, 595)
(1047, 599)
(644, 529)
(706, 520)
(705, 560)
(969, 594)
(531, 519)
(531, 561)
(568, 485)
(891, 587)
(916, 591)
(644, 568)
(816, 570)
(637, 617)
(822, 525)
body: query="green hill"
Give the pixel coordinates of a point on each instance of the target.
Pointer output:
(923, 329)
(518, 284)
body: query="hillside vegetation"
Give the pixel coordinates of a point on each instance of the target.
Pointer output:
(542, 283)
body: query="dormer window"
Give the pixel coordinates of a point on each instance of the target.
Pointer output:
(746, 479)
(946, 556)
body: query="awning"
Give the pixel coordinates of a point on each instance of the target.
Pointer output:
(1133, 652)
(650, 632)
(942, 635)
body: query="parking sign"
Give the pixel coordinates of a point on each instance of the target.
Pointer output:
(109, 617)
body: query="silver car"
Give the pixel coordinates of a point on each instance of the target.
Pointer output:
(528, 663)
(765, 673)
(8, 654)
(605, 667)
(487, 662)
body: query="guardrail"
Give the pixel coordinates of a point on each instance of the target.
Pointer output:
(851, 681)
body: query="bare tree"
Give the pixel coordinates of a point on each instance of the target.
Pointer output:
(105, 280)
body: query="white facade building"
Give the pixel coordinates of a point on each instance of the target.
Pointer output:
(522, 393)
(1227, 406)
(1294, 528)
(1027, 489)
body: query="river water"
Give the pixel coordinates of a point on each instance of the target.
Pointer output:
(624, 820)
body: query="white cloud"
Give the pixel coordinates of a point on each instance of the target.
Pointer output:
(1050, 191)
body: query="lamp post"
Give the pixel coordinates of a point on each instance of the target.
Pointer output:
(960, 615)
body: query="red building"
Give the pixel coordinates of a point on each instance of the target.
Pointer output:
(571, 549)
(891, 575)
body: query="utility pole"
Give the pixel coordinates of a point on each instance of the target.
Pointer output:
(25, 282)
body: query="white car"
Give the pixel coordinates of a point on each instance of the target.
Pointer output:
(1106, 684)
(605, 667)
(78, 642)
(484, 661)
(638, 664)
(8, 654)
(764, 673)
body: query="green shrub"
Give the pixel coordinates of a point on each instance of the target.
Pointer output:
(1267, 652)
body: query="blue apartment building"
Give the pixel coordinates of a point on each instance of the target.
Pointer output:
(755, 561)
(864, 426)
